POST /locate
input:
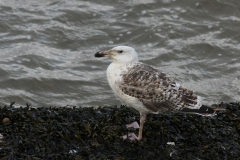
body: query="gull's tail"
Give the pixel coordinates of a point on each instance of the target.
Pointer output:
(203, 110)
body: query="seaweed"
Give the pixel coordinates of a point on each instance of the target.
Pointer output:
(96, 133)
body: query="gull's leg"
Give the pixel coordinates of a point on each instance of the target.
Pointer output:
(134, 125)
(142, 119)
(132, 136)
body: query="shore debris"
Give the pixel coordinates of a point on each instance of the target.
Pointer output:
(96, 133)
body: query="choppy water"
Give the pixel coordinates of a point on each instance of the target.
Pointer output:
(47, 47)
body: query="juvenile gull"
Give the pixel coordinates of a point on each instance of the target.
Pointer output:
(148, 89)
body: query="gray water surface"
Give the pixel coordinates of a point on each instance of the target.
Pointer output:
(47, 47)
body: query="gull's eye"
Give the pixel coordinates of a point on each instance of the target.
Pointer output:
(120, 51)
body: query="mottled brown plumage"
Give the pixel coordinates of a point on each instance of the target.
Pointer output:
(156, 90)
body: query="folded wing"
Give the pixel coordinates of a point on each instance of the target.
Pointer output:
(158, 92)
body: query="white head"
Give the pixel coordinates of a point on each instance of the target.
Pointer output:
(120, 54)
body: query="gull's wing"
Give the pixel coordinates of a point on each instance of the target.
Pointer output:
(157, 91)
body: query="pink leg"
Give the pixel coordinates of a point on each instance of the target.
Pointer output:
(142, 119)
(132, 136)
(134, 125)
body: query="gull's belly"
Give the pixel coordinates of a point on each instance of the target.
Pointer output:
(114, 79)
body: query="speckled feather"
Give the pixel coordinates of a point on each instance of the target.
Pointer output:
(156, 90)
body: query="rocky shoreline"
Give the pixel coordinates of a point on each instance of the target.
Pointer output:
(96, 133)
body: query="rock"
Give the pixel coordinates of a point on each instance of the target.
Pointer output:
(5, 120)
(96, 133)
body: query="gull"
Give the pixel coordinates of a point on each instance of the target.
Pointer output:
(148, 89)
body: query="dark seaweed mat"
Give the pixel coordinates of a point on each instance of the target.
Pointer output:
(88, 133)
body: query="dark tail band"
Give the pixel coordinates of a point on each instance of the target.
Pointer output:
(203, 110)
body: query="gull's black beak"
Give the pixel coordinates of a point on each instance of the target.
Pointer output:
(98, 54)
(102, 54)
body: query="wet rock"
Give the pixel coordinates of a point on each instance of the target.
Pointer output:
(96, 133)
